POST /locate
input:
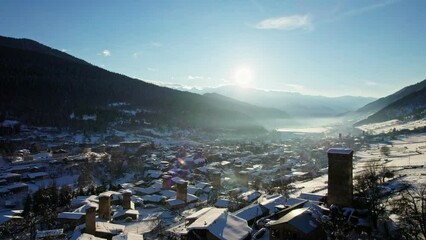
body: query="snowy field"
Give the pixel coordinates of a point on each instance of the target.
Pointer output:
(384, 127)
(407, 157)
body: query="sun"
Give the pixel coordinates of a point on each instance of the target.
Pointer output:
(243, 77)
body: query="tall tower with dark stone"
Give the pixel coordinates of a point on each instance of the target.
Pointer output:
(340, 188)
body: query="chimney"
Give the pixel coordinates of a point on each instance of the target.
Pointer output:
(182, 190)
(243, 178)
(340, 188)
(91, 220)
(282, 160)
(126, 199)
(237, 169)
(216, 179)
(167, 182)
(105, 207)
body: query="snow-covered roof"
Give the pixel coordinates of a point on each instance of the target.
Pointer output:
(250, 196)
(106, 227)
(149, 190)
(128, 236)
(198, 213)
(231, 227)
(312, 197)
(124, 212)
(300, 219)
(168, 193)
(220, 223)
(9, 123)
(86, 236)
(49, 233)
(250, 212)
(9, 214)
(191, 198)
(223, 203)
(109, 194)
(193, 189)
(71, 215)
(206, 218)
(17, 185)
(37, 174)
(273, 201)
(175, 202)
(83, 208)
(153, 173)
(199, 160)
(178, 180)
(339, 151)
(153, 198)
(82, 200)
(293, 201)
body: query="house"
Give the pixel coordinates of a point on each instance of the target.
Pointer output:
(71, 219)
(215, 223)
(51, 234)
(125, 214)
(128, 236)
(297, 224)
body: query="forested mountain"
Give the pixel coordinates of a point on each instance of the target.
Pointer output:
(411, 106)
(43, 86)
(381, 103)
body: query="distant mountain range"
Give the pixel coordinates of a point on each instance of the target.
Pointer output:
(43, 86)
(295, 104)
(406, 104)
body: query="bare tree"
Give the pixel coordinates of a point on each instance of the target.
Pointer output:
(411, 206)
(367, 187)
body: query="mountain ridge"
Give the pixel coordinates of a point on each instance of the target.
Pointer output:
(408, 107)
(42, 85)
(295, 104)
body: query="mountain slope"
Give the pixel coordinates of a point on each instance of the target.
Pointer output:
(31, 45)
(295, 104)
(381, 103)
(411, 106)
(43, 86)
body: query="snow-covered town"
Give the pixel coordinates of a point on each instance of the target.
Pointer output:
(172, 185)
(212, 120)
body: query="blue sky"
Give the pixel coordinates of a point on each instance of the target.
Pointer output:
(331, 48)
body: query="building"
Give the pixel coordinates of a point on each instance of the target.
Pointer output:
(340, 188)
(297, 224)
(212, 224)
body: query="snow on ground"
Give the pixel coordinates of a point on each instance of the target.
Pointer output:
(148, 220)
(64, 180)
(384, 127)
(317, 185)
(406, 151)
(407, 156)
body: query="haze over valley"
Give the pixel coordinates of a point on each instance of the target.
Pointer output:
(212, 120)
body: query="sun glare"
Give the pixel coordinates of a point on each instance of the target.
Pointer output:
(243, 76)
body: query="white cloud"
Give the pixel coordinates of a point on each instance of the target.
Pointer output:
(286, 23)
(106, 53)
(152, 69)
(64, 50)
(369, 8)
(190, 77)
